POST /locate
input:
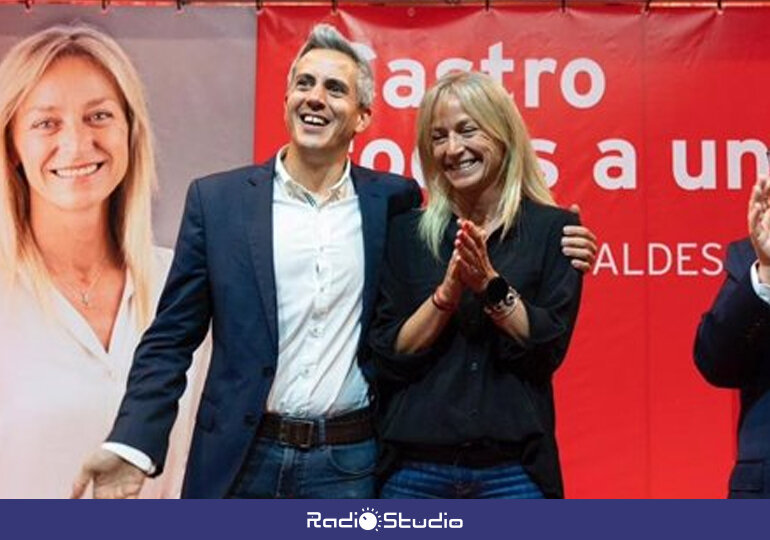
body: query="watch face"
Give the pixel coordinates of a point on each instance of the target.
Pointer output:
(497, 288)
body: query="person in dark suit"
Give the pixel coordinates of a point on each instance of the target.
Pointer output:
(732, 345)
(283, 260)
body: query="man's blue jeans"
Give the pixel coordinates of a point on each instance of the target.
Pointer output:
(422, 480)
(340, 471)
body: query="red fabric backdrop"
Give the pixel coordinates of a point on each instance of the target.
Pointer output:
(655, 122)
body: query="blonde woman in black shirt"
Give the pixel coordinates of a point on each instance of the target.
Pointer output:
(477, 308)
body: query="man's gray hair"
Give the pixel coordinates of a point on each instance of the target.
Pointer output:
(325, 36)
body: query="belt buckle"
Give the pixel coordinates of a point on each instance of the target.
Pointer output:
(297, 432)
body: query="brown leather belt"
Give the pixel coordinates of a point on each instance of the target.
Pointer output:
(307, 433)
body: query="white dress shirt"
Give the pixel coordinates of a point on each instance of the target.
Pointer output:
(318, 256)
(318, 261)
(60, 390)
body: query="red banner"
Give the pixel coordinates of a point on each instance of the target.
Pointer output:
(657, 124)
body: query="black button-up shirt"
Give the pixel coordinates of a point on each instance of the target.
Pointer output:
(476, 383)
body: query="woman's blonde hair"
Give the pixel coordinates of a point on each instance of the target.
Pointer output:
(130, 204)
(492, 108)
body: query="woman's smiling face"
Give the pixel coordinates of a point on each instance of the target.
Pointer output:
(71, 136)
(466, 155)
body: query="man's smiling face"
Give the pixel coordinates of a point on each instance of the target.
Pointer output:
(322, 111)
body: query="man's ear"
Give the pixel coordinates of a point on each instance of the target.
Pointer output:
(285, 109)
(364, 119)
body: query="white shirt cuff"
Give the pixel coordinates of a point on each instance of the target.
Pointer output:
(761, 289)
(135, 457)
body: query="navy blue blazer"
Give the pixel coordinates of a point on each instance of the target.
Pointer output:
(222, 273)
(732, 350)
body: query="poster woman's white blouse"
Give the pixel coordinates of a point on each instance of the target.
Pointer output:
(60, 391)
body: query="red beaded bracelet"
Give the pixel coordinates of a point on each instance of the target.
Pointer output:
(440, 304)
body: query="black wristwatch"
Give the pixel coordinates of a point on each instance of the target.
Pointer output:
(498, 294)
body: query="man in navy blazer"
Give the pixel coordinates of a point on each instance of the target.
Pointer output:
(732, 346)
(283, 260)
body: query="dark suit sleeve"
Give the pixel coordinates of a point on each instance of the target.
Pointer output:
(406, 197)
(157, 377)
(730, 334)
(552, 312)
(396, 303)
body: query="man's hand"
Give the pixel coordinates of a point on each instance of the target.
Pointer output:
(113, 477)
(759, 225)
(579, 244)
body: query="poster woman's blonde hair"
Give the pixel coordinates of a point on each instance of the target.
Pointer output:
(130, 204)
